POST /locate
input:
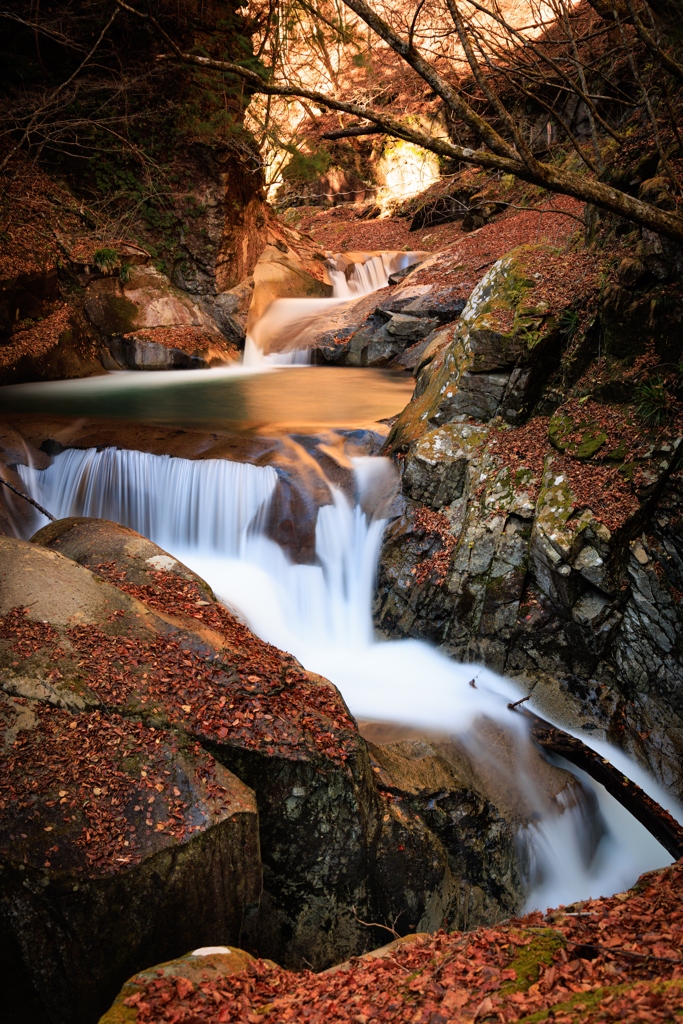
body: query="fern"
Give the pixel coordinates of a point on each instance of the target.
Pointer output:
(652, 402)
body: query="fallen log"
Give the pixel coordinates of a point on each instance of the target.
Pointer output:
(659, 823)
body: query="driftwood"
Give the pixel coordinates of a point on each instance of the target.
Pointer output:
(659, 823)
(30, 500)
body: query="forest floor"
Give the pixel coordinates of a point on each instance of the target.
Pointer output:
(604, 960)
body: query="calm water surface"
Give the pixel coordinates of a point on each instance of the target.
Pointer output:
(296, 398)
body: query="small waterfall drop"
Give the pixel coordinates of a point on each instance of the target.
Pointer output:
(286, 319)
(176, 502)
(207, 513)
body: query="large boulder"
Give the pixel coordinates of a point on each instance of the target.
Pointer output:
(505, 346)
(289, 267)
(136, 839)
(148, 323)
(140, 711)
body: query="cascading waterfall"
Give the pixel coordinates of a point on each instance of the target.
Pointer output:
(286, 319)
(207, 514)
(175, 502)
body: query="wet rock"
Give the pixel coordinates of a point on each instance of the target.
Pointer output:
(158, 350)
(522, 571)
(148, 323)
(131, 645)
(287, 269)
(230, 310)
(470, 810)
(503, 348)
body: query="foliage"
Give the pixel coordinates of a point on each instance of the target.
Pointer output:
(106, 260)
(307, 166)
(652, 401)
(569, 323)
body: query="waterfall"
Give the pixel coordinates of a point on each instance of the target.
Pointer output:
(286, 319)
(206, 514)
(174, 502)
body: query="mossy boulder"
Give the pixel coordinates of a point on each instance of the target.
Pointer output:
(211, 963)
(581, 437)
(502, 350)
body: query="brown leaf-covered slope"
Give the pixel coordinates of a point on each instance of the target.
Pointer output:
(613, 959)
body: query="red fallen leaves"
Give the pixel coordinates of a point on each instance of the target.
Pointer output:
(251, 694)
(602, 489)
(186, 338)
(462, 265)
(110, 776)
(523, 447)
(37, 339)
(614, 959)
(434, 568)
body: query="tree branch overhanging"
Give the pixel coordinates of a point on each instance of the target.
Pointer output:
(495, 153)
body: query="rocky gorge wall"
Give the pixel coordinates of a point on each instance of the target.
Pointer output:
(539, 525)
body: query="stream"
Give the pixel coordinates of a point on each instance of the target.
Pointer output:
(209, 515)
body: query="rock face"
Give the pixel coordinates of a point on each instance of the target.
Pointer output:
(148, 323)
(289, 267)
(157, 755)
(550, 549)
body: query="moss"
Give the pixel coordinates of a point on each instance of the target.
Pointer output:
(582, 438)
(591, 1000)
(527, 963)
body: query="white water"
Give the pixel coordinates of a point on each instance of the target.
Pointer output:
(287, 319)
(206, 514)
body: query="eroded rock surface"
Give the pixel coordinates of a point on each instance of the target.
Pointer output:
(550, 549)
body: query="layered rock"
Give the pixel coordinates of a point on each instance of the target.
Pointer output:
(537, 548)
(147, 323)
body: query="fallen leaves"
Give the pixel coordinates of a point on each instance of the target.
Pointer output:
(435, 568)
(534, 968)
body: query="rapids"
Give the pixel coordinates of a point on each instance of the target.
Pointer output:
(210, 515)
(207, 514)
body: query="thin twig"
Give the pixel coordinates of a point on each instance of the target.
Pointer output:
(31, 501)
(375, 924)
(520, 701)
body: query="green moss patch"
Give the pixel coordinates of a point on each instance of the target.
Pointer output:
(527, 963)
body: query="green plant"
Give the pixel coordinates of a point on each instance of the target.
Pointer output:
(126, 272)
(106, 260)
(569, 322)
(652, 401)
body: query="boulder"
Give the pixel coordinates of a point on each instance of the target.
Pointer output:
(148, 323)
(121, 673)
(503, 349)
(118, 835)
(208, 964)
(287, 268)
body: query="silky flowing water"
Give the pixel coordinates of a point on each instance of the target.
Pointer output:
(208, 514)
